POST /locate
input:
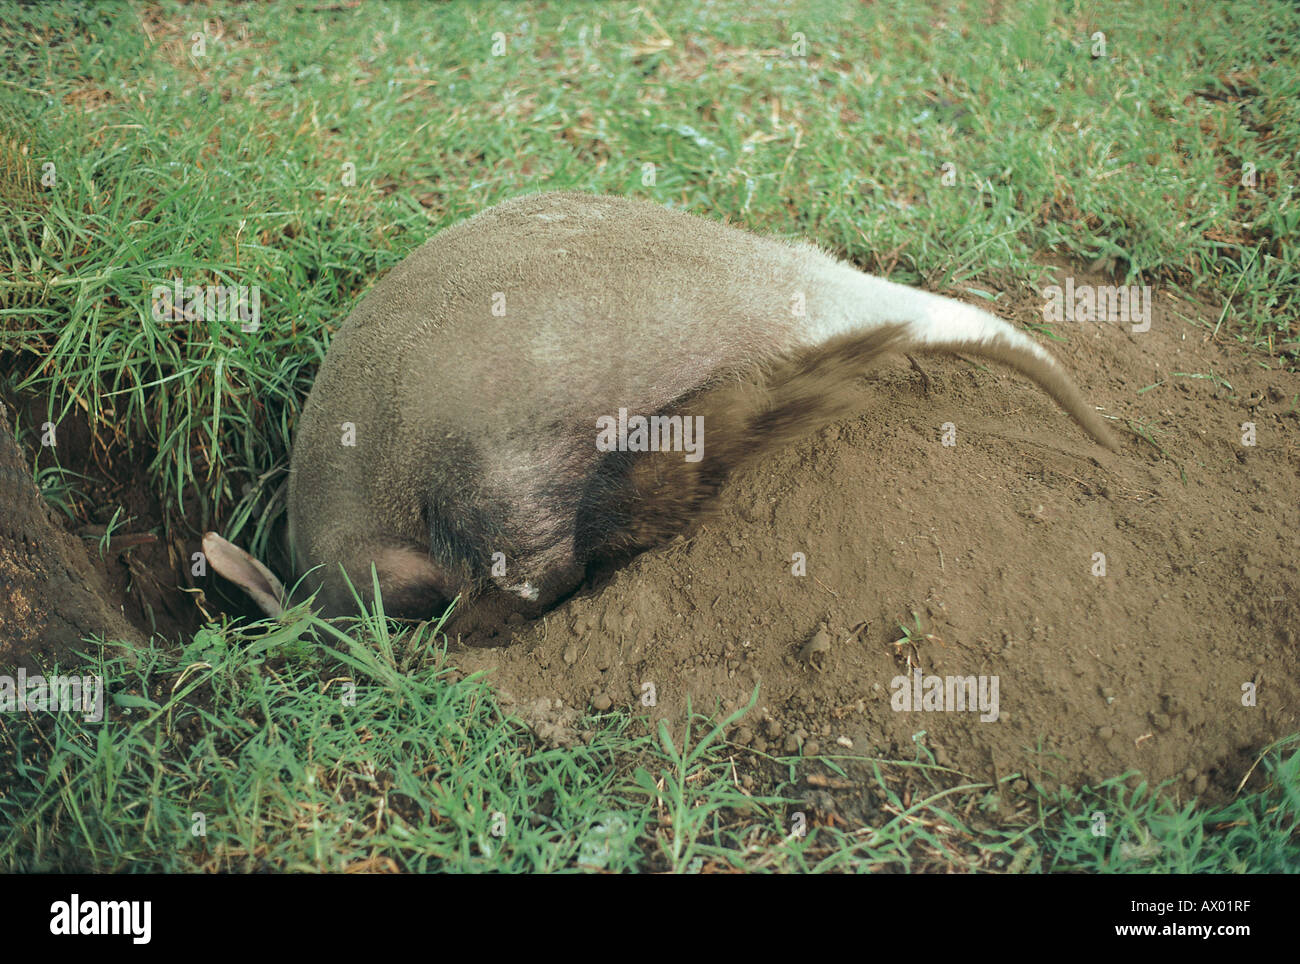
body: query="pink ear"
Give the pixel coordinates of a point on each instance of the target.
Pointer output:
(246, 572)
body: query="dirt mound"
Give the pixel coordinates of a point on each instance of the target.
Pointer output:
(1135, 610)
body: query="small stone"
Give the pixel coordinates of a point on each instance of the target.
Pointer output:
(602, 702)
(772, 729)
(571, 653)
(1201, 785)
(743, 735)
(812, 748)
(817, 649)
(845, 742)
(1190, 774)
(792, 744)
(1106, 732)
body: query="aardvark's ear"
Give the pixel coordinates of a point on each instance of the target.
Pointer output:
(246, 572)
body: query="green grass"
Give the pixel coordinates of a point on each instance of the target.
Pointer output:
(228, 168)
(300, 747)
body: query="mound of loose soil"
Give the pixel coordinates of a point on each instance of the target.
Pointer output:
(993, 542)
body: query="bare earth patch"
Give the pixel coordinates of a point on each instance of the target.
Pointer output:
(991, 543)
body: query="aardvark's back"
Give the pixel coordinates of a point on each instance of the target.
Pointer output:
(454, 418)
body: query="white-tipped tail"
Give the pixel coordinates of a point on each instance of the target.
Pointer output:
(850, 301)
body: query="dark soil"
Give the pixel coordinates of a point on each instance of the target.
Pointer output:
(991, 544)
